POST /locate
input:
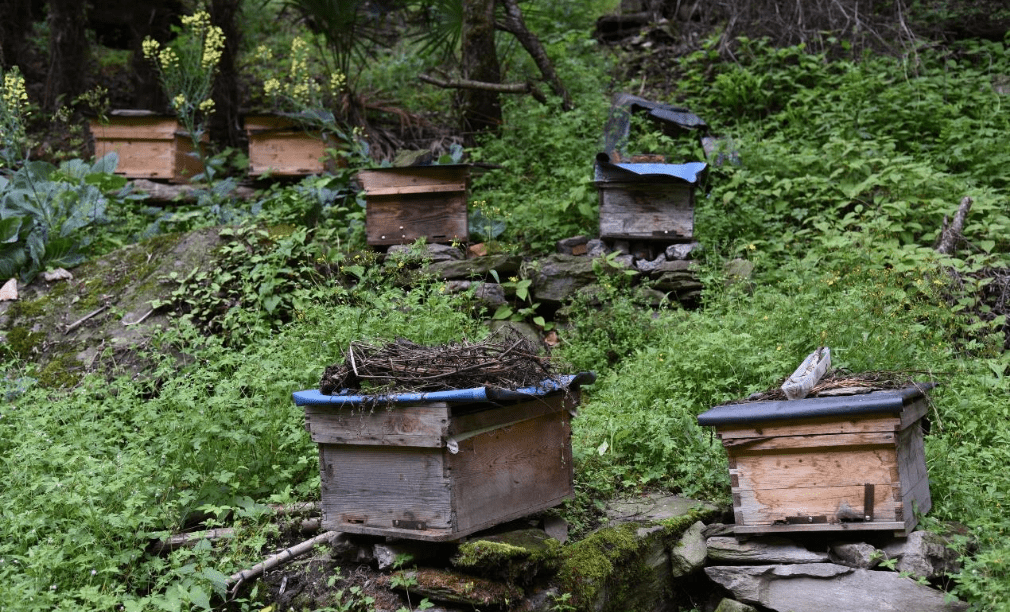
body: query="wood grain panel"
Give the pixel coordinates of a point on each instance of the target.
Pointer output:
(817, 468)
(767, 506)
(512, 471)
(803, 427)
(371, 486)
(646, 210)
(422, 425)
(404, 219)
(810, 441)
(481, 419)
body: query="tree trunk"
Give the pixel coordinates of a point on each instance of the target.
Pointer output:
(15, 24)
(68, 53)
(481, 108)
(225, 123)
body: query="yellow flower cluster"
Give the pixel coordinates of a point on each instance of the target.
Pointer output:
(168, 58)
(337, 82)
(213, 46)
(150, 47)
(14, 94)
(271, 87)
(179, 101)
(207, 106)
(263, 54)
(198, 21)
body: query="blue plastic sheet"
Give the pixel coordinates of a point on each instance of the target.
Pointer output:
(313, 397)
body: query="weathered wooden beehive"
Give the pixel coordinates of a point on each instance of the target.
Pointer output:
(404, 204)
(646, 201)
(281, 147)
(438, 466)
(827, 463)
(149, 145)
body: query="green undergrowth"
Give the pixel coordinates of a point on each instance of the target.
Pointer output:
(93, 475)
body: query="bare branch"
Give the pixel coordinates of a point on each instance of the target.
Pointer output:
(514, 88)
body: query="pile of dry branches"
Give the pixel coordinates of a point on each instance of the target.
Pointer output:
(845, 382)
(505, 360)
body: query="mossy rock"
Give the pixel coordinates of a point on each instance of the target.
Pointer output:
(625, 567)
(102, 319)
(516, 557)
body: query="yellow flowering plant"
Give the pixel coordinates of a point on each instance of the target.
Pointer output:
(186, 69)
(13, 113)
(299, 94)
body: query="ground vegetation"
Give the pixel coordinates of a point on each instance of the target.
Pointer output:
(850, 156)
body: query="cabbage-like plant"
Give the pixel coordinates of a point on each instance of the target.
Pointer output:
(43, 210)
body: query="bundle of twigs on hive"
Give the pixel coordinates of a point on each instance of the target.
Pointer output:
(843, 382)
(505, 360)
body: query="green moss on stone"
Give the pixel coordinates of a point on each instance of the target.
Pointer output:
(612, 561)
(517, 557)
(61, 372)
(22, 343)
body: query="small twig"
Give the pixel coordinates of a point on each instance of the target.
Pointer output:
(140, 320)
(350, 350)
(81, 321)
(235, 580)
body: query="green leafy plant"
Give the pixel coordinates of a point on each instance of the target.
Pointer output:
(44, 210)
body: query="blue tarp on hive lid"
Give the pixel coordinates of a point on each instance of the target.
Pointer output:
(608, 172)
(313, 397)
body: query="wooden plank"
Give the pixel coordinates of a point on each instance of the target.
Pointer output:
(409, 189)
(873, 526)
(423, 425)
(371, 487)
(286, 154)
(874, 438)
(768, 506)
(914, 411)
(413, 175)
(646, 210)
(803, 427)
(135, 128)
(911, 455)
(150, 159)
(915, 494)
(812, 468)
(513, 471)
(415, 216)
(494, 417)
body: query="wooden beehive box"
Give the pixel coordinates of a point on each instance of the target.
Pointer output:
(281, 147)
(826, 464)
(404, 204)
(149, 145)
(439, 470)
(646, 201)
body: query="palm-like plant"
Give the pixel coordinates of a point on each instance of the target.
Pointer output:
(351, 28)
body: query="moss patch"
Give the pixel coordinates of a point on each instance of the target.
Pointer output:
(609, 569)
(516, 557)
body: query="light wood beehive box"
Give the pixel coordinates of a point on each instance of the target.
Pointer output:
(149, 145)
(437, 470)
(280, 147)
(826, 464)
(404, 204)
